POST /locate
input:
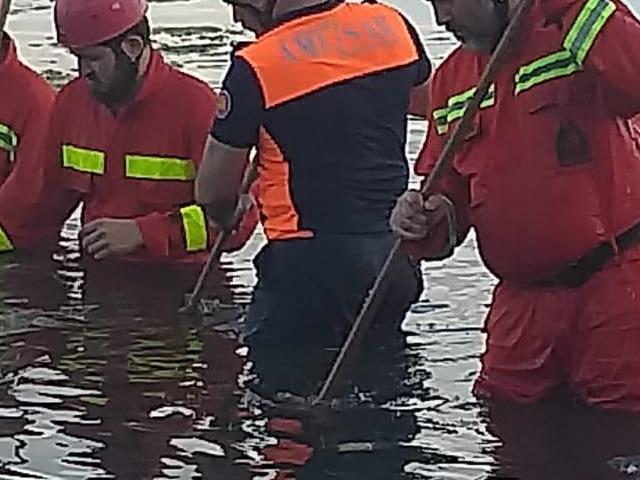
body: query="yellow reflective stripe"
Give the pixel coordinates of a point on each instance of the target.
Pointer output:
(456, 106)
(5, 243)
(490, 98)
(440, 120)
(576, 47)
(194, 225)
(8, 138)
(586, 27)
(460, 98)
(547, 68)
(83, 160)
(159, 168)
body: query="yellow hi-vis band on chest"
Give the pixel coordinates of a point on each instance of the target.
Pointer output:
(456, 105)
(5, 243)
(83, 160)
(159, 168)
(194, 224)
(575, 47)
(587, 26)
(8, 138)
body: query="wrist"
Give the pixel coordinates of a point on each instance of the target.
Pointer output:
(449, 211)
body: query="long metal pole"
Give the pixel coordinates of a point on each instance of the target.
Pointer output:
(216, 249)
(442, 166)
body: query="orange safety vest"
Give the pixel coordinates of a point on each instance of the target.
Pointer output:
(312, 54)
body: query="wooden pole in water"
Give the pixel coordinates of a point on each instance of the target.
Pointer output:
(216, 249)
(442, 166)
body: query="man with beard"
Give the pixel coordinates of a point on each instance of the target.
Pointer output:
(26, 103)
(126, 139)
(549, 177)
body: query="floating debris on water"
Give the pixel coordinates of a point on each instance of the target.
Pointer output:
(164, 412)
(629, 466)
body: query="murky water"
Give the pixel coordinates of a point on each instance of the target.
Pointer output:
(100, 378)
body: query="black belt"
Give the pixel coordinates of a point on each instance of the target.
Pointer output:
(577, 273)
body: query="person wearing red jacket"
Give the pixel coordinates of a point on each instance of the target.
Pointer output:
(549, 178)
(126, 139)
(26, 103)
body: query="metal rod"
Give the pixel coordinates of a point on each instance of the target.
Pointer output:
(216, 249)
(442, 166)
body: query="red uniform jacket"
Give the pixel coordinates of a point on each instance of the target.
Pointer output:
(552, 166)
(24, 110)
(139, 163)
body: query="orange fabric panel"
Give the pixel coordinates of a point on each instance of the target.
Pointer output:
(274, 195)
(319, 50)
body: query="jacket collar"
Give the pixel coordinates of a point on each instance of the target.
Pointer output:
(153, 78)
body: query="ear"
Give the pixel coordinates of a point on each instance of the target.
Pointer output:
(132, 46)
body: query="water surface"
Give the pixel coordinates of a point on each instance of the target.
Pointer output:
(100, 378)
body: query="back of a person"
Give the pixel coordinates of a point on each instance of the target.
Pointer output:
(323, 95)
(336, 84)
(328, 94)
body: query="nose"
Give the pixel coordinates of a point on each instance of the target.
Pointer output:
(443, 11)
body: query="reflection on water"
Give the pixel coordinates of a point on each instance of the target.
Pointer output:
(101, 378)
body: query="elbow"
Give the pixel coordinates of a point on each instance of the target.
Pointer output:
(215, 184)
(202, 195)
(419, 101)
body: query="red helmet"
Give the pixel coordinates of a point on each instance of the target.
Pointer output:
(84, 23)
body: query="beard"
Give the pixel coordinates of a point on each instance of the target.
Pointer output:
(486, 39)
(122, 86)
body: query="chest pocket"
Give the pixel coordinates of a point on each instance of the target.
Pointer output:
(161, 180)
(557, 112)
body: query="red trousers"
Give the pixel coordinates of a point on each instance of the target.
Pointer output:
(587, 338)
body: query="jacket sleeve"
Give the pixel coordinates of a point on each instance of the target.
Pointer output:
(186, 229)
(437, 245)
(455, 188)
(33, 204)
(603, 37)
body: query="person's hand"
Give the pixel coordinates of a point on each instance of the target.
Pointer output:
(413, 217)
(111, 237)
(245, 203)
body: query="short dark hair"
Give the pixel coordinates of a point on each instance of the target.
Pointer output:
(141, 29)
